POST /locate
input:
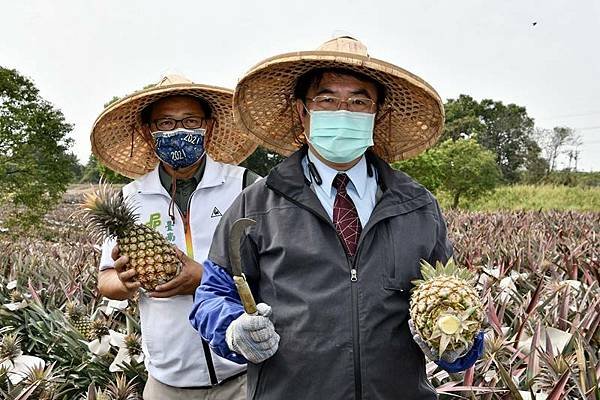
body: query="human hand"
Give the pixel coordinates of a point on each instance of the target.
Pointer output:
(126, 276)
(185, 283)
(253, 336)
(449, 356)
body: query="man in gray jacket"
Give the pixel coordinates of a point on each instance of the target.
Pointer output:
(338, 236)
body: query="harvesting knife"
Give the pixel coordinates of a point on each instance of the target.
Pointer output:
(235, 236)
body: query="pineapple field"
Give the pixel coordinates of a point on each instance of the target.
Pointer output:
(538, 275)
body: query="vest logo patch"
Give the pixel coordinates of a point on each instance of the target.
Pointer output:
(216, 213)
(154, 220)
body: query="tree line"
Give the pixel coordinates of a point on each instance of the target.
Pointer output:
(485, 143)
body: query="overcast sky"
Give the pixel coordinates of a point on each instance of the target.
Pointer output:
(82, 53)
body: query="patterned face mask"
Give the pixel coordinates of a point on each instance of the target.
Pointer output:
(179, 148)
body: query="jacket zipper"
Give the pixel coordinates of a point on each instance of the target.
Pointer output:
(354, 299)
(355, 337)
(355, 327)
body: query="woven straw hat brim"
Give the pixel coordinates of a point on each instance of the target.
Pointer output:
(263, 104)
(117, 133)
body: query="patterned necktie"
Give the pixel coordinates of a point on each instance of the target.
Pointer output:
(345, 216)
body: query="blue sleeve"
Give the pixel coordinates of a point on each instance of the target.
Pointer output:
(216, 305)
(466, 361)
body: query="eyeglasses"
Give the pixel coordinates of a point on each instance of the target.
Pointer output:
(168, 124)
(332, 103)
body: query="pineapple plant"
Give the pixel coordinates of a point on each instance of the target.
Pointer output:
(108, 215)
(98, 329)
(133, 343)
(42, 383)
(10, 347)
(445, 308)
(119, 389)
(4, 380)
(77, 316)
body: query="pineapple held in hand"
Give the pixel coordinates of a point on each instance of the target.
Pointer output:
(150, 254)
(445, 308)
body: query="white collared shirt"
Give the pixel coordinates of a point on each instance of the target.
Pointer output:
(362, 188)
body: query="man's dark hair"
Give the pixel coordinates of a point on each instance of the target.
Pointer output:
(314, 77)
(147, 112)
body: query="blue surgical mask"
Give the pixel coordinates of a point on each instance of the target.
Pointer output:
(179, 148)
(341, 136)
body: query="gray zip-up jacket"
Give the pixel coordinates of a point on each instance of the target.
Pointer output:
(343, 322)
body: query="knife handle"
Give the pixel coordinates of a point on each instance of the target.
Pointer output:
(245, 294)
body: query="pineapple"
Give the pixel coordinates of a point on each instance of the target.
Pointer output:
(134, 344)
(78, 318)
(150, 254)
(445, 307)
(10, 347)
(98, 329)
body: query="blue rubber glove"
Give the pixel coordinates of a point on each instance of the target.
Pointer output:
(465, 362)
(452, 360)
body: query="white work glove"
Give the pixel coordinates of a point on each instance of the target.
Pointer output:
(253, 336)
(449, 355)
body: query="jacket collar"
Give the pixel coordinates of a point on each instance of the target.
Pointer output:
(401, 194)
(357, 174)
(214, 175)
(167, 180)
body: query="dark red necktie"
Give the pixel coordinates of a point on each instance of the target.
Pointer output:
(345, 216)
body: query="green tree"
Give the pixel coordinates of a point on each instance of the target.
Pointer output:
(112, 101)
(462, 168)
(469, 170)
(506, 130)
(94, 170)
(262, 161)
(35, 166)
(427, 169)
(462, 118)
(535, 167)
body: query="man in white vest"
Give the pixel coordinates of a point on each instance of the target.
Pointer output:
(181, 188)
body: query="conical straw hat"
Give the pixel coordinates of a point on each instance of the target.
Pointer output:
(410, 120)
(117, 133)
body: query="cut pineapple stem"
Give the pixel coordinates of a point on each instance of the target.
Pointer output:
(449, 324)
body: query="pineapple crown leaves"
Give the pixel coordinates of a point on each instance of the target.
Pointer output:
(74, 311)
(16, 296)
(121, 389)
(43, 381)
(450, 269)
(10, 347)
(98, 329)
(133, 344)
(106, 212)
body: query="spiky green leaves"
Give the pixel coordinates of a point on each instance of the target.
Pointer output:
(450, 269)
(107, 213)
(10, 347)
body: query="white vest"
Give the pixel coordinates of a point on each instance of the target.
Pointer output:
(173, 349)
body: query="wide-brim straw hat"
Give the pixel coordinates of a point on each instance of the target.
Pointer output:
(117, 133)
(409, 121)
